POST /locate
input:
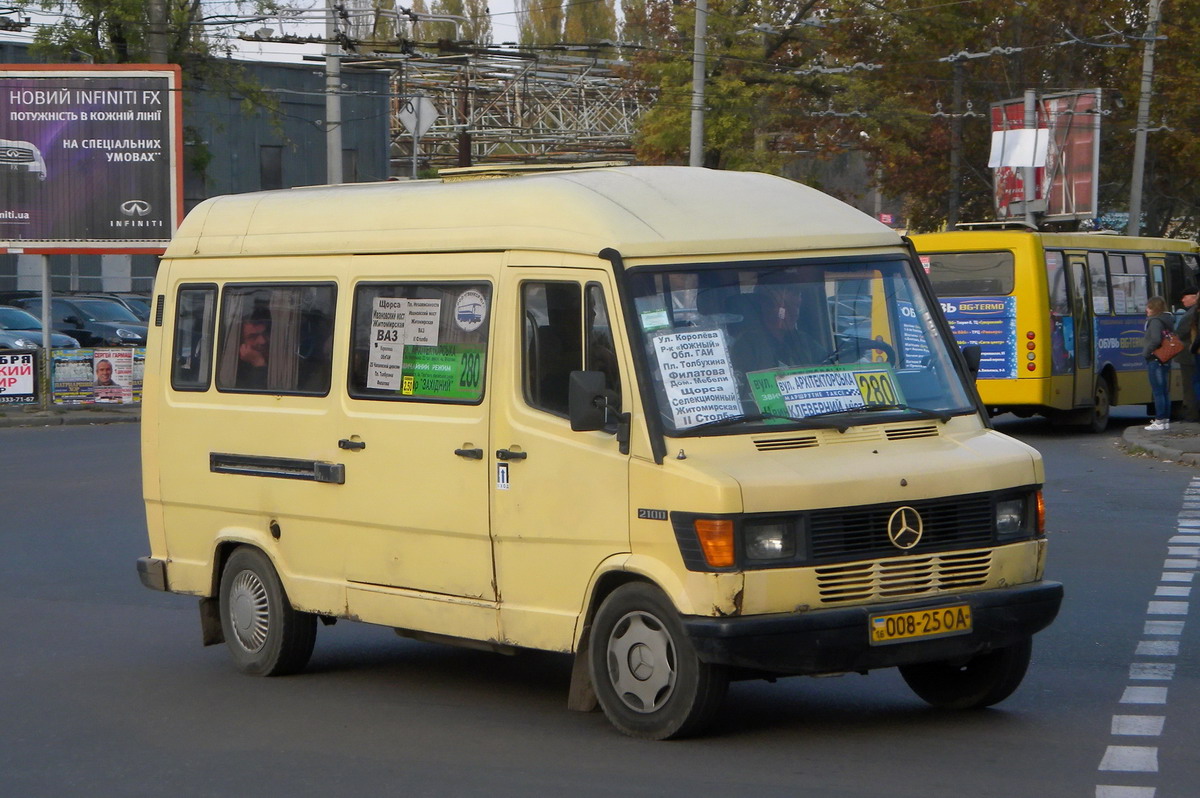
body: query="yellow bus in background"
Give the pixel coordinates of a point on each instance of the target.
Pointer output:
(1058, 317)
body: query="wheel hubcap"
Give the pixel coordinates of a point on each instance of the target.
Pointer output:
(641, 662)
(249, 610)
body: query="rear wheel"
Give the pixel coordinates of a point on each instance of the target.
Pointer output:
(1098, 420)
(975, 683)
(644, 670)
(265, 635)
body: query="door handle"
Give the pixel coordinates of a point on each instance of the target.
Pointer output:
(346, 443)
(505, 454)
(470, 454)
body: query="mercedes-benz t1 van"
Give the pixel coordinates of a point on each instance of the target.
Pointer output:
(687, 426)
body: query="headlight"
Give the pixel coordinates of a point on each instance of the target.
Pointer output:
(128, 334)
(25, 343)
(771, 540)
(1011, 518)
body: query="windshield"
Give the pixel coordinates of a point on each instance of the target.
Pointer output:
(105, 310)
(797, 343)
(16, 319)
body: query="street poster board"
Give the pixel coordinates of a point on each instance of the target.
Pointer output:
(90, 158)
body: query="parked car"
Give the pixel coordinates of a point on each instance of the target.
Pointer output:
(92, 321)
(137, 304)
(20, 330)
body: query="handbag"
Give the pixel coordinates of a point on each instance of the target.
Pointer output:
(1169, 348)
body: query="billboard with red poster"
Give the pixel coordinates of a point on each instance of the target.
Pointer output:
(1063, 147)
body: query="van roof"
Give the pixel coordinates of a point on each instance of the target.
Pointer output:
(641, 211)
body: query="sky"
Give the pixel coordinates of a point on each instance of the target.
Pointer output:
(504, 27)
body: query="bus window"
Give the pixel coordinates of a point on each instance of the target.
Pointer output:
(1127, 274)
(1100, 302)
(971, 273)
(1062, 337)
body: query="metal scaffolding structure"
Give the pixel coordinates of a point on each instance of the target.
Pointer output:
(498, 106)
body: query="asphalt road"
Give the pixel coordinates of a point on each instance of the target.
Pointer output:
(106, 690)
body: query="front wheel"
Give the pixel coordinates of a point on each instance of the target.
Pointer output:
(644, 670)
(978, 682)
(265, 635)
(1098, 420)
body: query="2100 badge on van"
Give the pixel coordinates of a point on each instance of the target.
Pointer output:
(682, 425)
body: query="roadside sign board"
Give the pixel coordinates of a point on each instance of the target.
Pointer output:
(417, 114)
(90, 158)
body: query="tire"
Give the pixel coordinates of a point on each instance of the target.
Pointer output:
(1098, 420)
(264, 634)
(979, 682)
(646, 675)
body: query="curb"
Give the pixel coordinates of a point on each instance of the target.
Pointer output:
(69, 418)
(1165, 446)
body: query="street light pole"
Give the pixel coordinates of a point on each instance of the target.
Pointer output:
(699, 53)
(333, 99)
(1143, 121)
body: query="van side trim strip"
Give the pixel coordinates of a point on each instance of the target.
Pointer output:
(279, 467)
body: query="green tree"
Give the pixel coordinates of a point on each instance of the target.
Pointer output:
(539, 22)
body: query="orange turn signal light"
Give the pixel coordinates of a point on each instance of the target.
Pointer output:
(716, 541)
(1041, 515)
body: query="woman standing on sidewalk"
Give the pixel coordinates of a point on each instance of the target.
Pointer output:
(1158, 323)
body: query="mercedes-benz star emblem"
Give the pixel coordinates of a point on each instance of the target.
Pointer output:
(905, 527)
(135, 208)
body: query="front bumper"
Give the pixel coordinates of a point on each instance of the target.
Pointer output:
(838, 640)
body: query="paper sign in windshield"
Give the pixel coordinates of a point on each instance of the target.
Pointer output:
(396, 321)
(807, 392)
(697, 376)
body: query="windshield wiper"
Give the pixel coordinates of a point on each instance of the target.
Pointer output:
(922, 412)
(746, 418)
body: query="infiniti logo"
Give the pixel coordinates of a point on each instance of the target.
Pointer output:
(11, 153)
(135, 208)
(905, 527)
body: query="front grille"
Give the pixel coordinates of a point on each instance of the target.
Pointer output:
(901, 578)
(859, 533)
(13, 155)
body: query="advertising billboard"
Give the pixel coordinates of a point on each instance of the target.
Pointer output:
(1066, 154)
(90, 158)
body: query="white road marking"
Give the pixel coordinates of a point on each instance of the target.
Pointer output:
(1163, 628)
(1144, 695)
(1177, 576)
(1108, 791)
(1138, 725)
(1130, 759)
(1167, 608)
(1152, 671)
(1158, 648)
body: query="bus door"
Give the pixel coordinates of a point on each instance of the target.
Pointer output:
(1082, 323)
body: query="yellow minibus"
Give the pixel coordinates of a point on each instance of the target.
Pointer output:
(627, 414)
(1058, 317)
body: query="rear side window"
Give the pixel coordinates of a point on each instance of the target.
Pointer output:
(423, 342)
(276, 338)
(195, 315)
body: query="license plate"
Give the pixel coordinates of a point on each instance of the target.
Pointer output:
(900, 627)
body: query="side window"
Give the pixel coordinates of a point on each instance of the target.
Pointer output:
(1128, 278)
(420, 341)
(601, 349)
(551, 342)
(1099, 278)
(276, 338)
(195, 315)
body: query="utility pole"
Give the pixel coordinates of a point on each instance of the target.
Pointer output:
(956, 122)
(333, 99)
(156, 34)
(1143, 121)
(699, 54)
(1029, 173)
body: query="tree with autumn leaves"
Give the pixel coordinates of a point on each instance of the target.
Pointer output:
(898, 80)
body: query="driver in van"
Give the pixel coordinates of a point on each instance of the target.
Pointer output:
(770, 337)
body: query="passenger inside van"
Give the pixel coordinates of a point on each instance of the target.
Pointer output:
(253, 350)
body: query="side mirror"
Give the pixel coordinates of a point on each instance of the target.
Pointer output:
(74, 321)
(588, 401)
(973, 354)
